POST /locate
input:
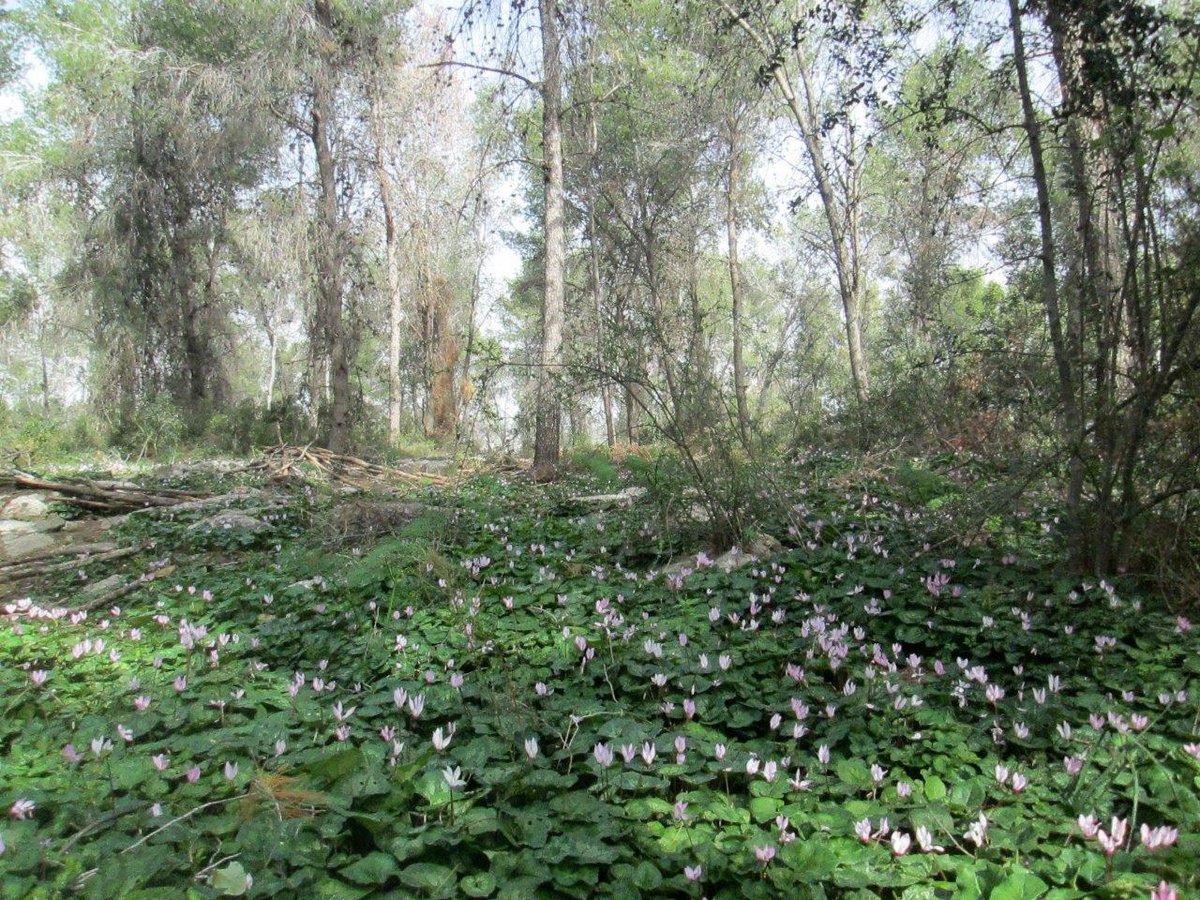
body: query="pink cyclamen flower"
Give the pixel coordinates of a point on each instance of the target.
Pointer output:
(1192, 750)
(862, 828)
(1019, 782)
(603, 754)
(925, 841)
(231, 770)
(1088, 825)
(764, 854)
(1073, 765)
(161, 761)
(22, 809)
(649, 751)
(72, 755)
(693, 873)
(1157, 838)
(679, 812)
(531, 747)
(193, 774)
(38, 677)
(977, 833)
(141, 703)
(1164, 891)
(1111, 841)
(901, 842)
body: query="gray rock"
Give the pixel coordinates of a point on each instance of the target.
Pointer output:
(25, 507)
(14, 545)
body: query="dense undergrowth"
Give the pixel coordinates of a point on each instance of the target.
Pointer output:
(505, 699)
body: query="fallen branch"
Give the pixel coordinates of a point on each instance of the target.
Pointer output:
(23, 568)
(124, 590)
(100, 496)
(283, 462)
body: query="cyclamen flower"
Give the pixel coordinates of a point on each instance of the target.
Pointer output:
(531, 747)
(22, 809)
(823, 755)
(1157, 838)
(977, 833)
(719, 751)
(193, 774)
(72, 755)
(453, 777)
(1110, 843)
(764, 854)
(231, 770)
(925, 841)
(648, 753)
(161, 761)
(603, 754)
(900, 843)
(904, 789)
(1001, 773)
(416, 705)
(38, 677)
(1088, 825)
(628, 752)
(680, 811)
(142, 703)
(878, 773)
(693, 873)
(1164, 891)
(1192, 750)
(862, 828)
(442, 738)
(1073, 765)
(1019, 782)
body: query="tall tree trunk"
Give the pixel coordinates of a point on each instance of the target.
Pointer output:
(549, 407)
(273, 366)
(1070, 413)
(595, 284)
(735, 287)
(839, 221)
(392, 274)
(329, 251)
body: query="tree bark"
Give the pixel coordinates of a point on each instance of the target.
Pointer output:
(839, 221)
(392, 274)
(549, 408)
(735, 287)
(329, 251)
(1070, 413)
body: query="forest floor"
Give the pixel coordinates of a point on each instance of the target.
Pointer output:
(490, 688)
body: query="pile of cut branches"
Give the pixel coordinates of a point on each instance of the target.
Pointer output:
(284, 462)
(107, 497)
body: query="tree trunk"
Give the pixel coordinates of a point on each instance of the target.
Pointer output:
(1070, 414)
(329, 250)
(735, 287)
(549, 411)
(840, 222)
(395, 296)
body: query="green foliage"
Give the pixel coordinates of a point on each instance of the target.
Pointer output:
(250, 425)
(31, 436)
(156, 427)
(500, 587)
